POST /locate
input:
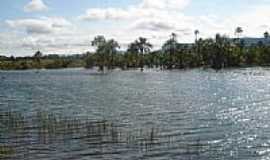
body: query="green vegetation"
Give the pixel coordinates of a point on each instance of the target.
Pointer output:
(46, 127)
(39, 61)
(217, 53)
(5, 151)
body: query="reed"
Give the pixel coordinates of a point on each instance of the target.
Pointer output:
(44, 127)
(6, 151)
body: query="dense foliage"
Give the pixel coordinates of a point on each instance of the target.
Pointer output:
(217, 53)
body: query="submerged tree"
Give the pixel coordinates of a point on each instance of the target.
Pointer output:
(140, 47)
(99, 43)
(105, 52)
(132, 55)
(111, 47)
(170, 47)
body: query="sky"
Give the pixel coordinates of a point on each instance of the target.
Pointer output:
(67, 27)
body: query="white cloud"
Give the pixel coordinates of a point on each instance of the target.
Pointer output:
(153, 19)
(43, 25)
(168, 15)
(153, 16)
(165, 4)
(147, 8)
(49, 34)
(105, 14)
(35, 6)
(153, 24)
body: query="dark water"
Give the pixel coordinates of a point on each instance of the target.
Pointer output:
(193, 114)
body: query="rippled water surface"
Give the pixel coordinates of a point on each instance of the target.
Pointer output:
(192, 114)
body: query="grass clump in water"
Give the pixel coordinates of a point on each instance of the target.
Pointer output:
(6, 151)
(44, 128)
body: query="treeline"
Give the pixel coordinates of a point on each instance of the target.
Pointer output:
(40, 61)
(217, 53)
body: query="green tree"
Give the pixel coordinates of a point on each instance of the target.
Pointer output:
(90, 60)
(238, 32)
(37, 57)
(170, 47)
(111, 47)
(105, 52)
(99, 42)
(221, 52)
(142, 47)
(132, 55)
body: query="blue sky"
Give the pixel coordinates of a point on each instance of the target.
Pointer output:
(65, 27)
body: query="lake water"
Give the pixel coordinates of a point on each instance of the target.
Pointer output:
(191, 114)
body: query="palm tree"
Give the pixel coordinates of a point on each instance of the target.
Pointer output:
(174, 36)
(170, 46)
(133, 54)
(197, 45)
(105, 51)
(238, 32)
(111, 47)
(266, 35)
(99, 42)
(239, 42)
(196, 32)
(37, 56)
(142, 47)
(221, 52)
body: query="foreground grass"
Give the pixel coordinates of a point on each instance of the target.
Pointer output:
(6, 151)
(43, 128)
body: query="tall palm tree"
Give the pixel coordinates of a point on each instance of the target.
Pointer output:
(99, 42)
(38, 54)
(197, 45)
(144, 47)
(174, 36)
(196, 32)
(220, 47)
(238, 32)
(37, 57)
(111, 48)
(266, 35)
(170, 46)
(133, 54)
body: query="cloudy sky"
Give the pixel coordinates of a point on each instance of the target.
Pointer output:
(67, 27)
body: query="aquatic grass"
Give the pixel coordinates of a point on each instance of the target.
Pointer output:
(46, 128)
(43, 128)
(12, 121)
(6, 151)
(57, 124)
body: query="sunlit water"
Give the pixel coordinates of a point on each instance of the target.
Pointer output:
(192, 114)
